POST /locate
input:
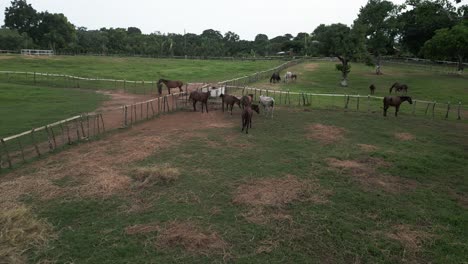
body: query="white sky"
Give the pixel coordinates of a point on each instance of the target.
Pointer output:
(247, 18)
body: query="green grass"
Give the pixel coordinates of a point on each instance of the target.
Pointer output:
(23, 107)
(355, 224)
(423, 85)
(136, 69)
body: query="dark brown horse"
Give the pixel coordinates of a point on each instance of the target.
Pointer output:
(196, 96)
(399, 87)
(396, 102)
(372, 89)
(293, 77)
(169, 84)
(229, 100)
(247, 114)
(275, 77)
(246, 100)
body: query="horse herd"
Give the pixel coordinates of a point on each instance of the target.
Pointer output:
(268, 103)
(245, 103)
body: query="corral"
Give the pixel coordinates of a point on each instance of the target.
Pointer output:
(328, 179)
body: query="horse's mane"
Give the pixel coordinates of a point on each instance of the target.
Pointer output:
(162, 80)
(405, 97)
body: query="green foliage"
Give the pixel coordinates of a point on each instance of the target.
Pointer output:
(11, 39)
(345, 69)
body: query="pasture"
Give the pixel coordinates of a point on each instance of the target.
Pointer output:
(307, 186)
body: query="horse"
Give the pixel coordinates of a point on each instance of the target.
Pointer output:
(196, 96)
(229, 100)
(268, 104)
(399, 87)
(246, 115)
(372, 89)
(246, 100)
(287, 76)
(396, 102)
(294, 77)
(275, 77)
(169, 84)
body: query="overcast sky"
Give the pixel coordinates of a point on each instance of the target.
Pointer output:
(247, 18)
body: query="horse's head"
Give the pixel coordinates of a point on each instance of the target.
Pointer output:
(222, 96)
(255, 108)
(409, 99)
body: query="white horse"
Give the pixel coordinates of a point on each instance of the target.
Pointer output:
(287, 76)
(268, 104)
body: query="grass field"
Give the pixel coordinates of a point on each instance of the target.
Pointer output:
(321, 77)
(23, 107)
(297, 189)
(136, 69)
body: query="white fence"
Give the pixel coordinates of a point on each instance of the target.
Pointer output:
(37, 52)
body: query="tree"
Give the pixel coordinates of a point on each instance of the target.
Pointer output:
(11, 39)
(342, 42)
(22, 17)
(55, 31)
(448, 44)
(378, 21)
(230, 42)
(262, 45)
(419, 24)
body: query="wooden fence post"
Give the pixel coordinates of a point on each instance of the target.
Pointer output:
(448, 110)
(368, 103)
(433, 108)
(414, 107)
(34, 143)
(357, 103)
(427, 108)
(459, 109)
(51, 147)
(347, 102)
(102, 120)
(7, 153)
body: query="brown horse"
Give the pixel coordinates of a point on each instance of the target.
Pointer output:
(246, 100)
(169, 84)
(229, 100)
(396, 102)
(196, 96)
(247, 114)
(372, 89)
(399, 87)
(293, 77)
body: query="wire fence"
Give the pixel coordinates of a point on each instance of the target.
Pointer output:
(358, 103)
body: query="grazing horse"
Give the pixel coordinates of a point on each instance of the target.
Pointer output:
(287, 76)
(399, 87)
(246, 115)
(293, 77)
(396, 102)
(229, 100)
(196, 96)
(169, 84)
(275, 77)
(372, 89)
(268, 104)
(246, 100)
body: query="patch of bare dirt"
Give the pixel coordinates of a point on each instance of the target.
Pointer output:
(404, 136)
(365, 172)
(311, 66)
(461, 198)
(325, 134)
(278, 192)
(191, 238)
(410, 237)
(142, 229)
(367, 147)
(262, 216)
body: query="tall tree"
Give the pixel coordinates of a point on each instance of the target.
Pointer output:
(378, 20)
(55, 31)
(342, 42)
(22, 17)
(419, 24)
(448, 44)
(11, 39)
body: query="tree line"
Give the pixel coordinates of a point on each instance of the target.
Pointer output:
(423, 28)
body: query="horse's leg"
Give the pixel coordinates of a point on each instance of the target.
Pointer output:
(385, 110)
(180, 88)
(194, 105)
(232, 105)
(206, 106)
(396, 110)
(250, 119)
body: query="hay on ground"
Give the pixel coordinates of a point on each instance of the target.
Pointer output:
(21, 231)
(404, 136)
(142, 229)
(325, 134)
(367, 147)
(277, 192)
(191, 238)
(148, 176)
(411, 238)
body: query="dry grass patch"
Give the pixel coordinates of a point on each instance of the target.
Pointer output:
(411, 238)
(278, 192)
(142, 229)
(149, 176)
(367, 147)
(311, 66)
(267, 246)
(191, 238)
(404, 136)
(366, 174)
(325, 134)
(20, 232)
(262, 216)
